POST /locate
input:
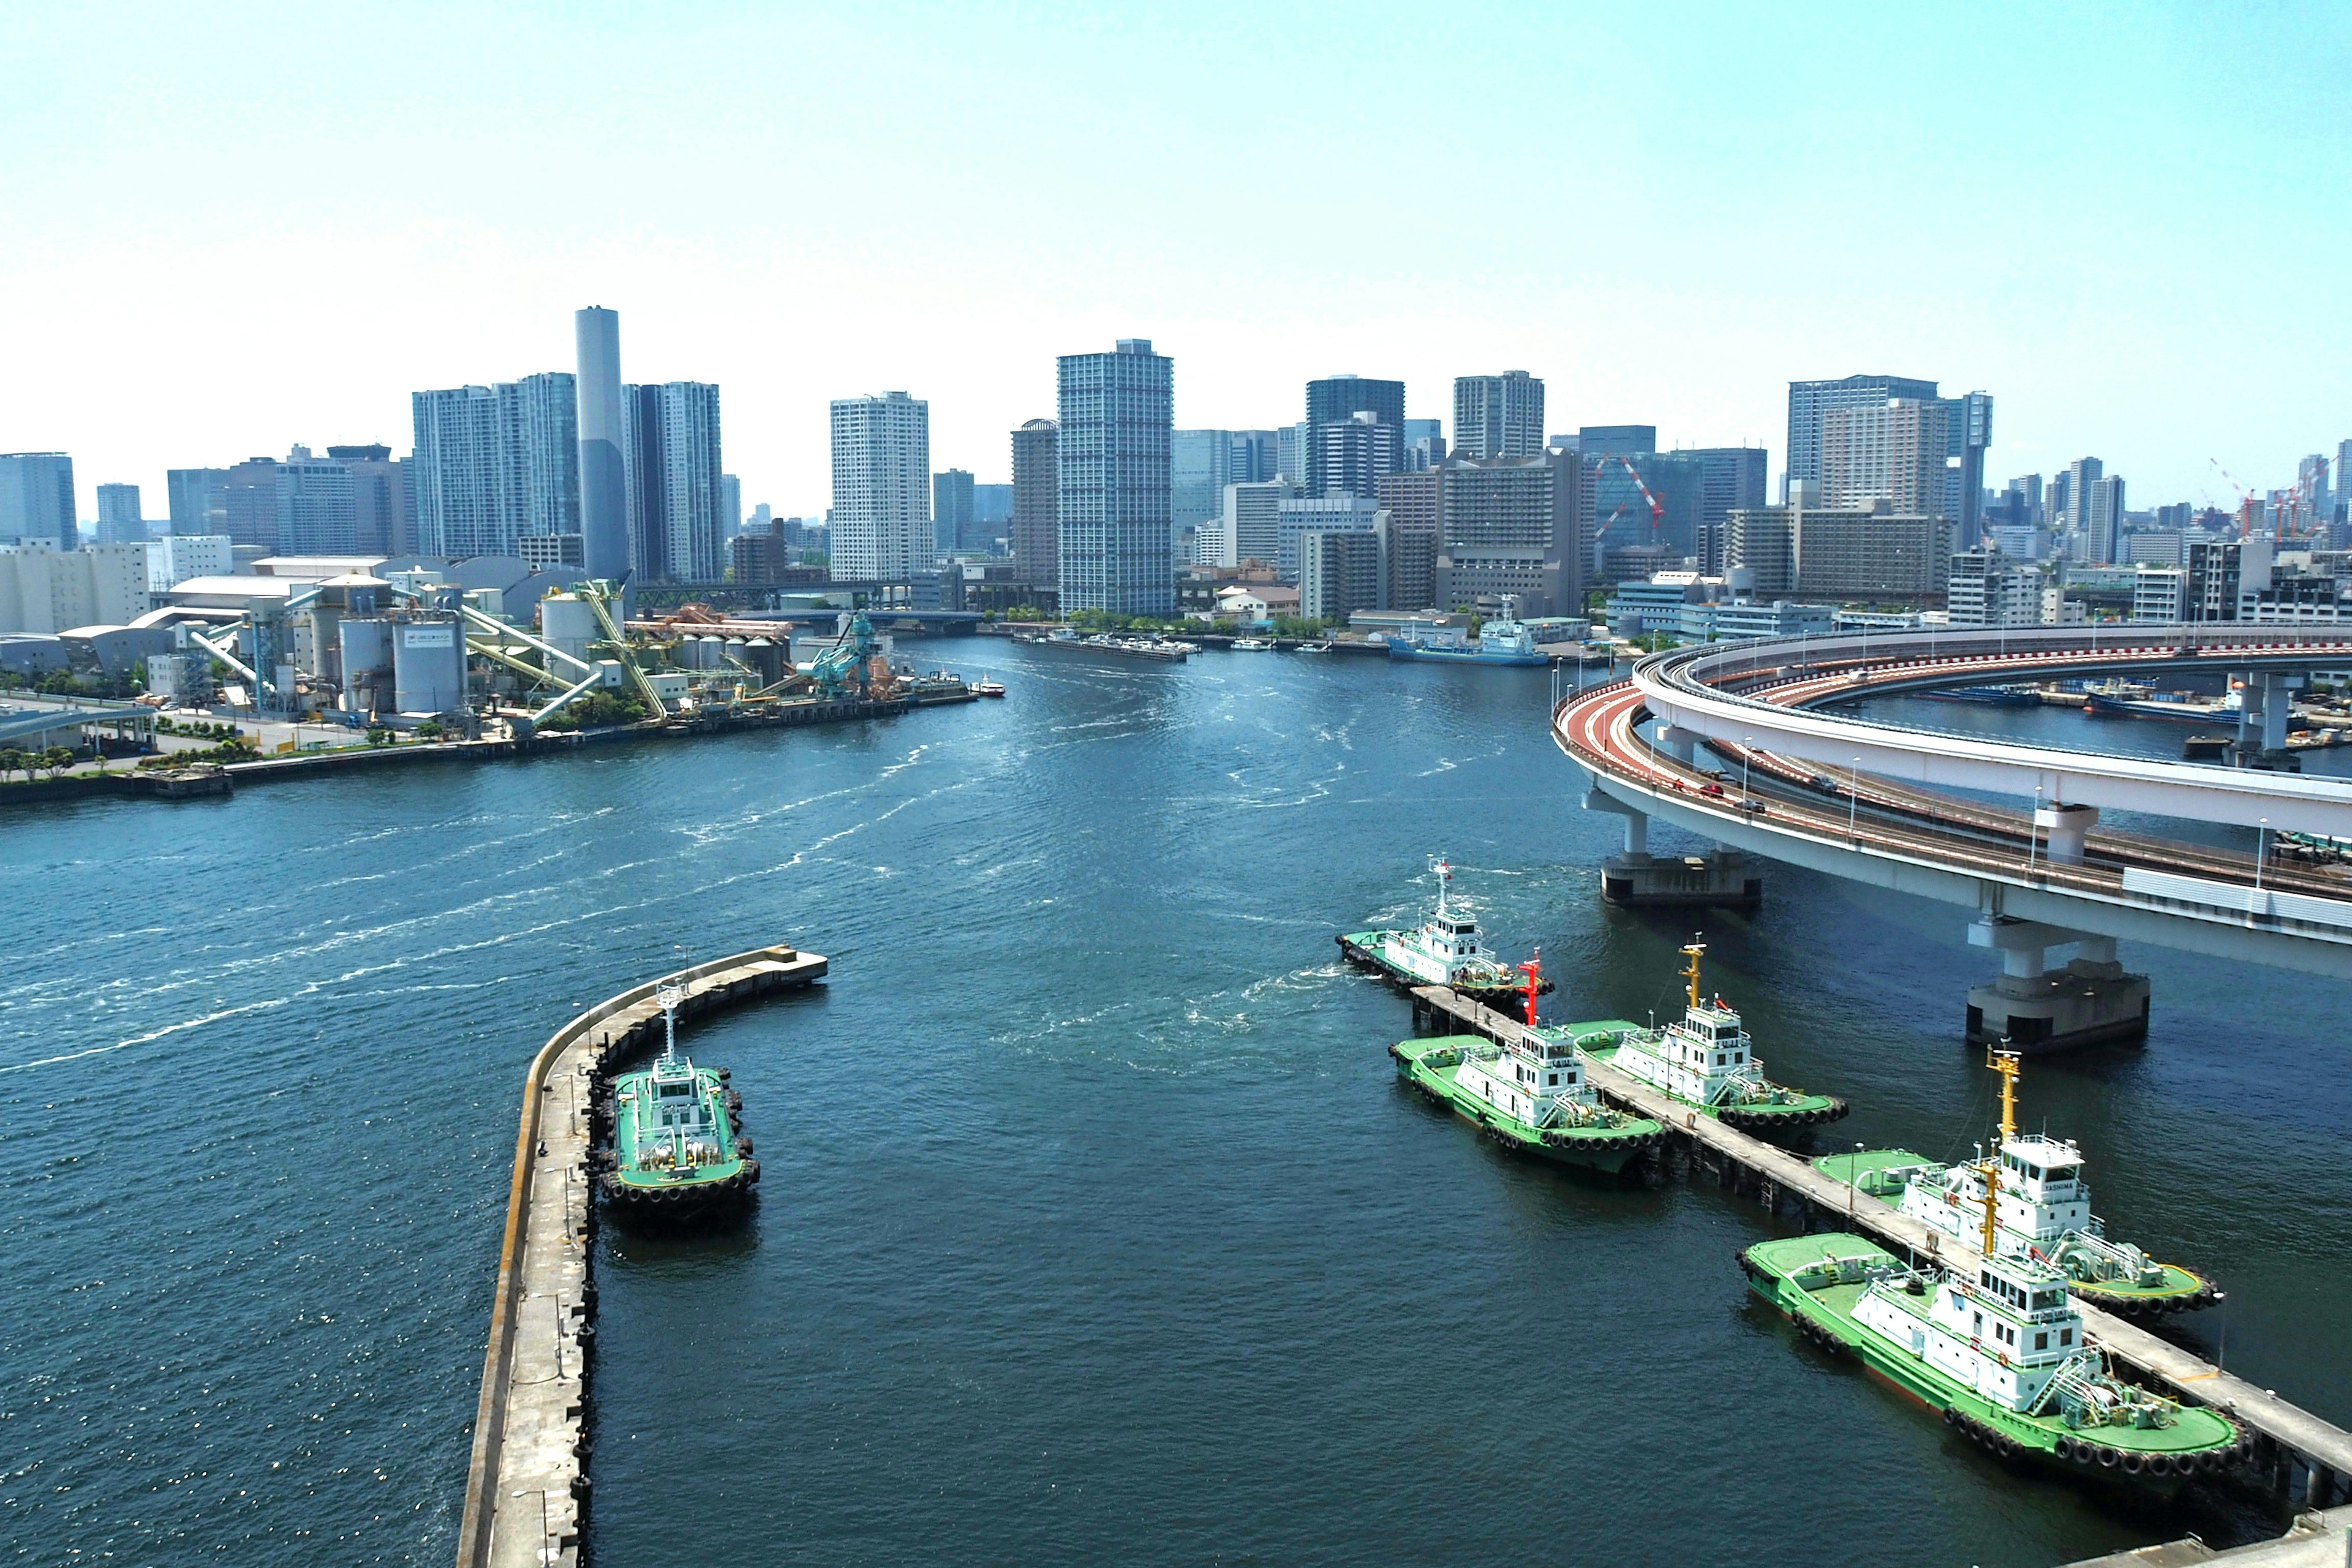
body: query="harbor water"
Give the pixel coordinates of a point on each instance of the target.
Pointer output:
(1094, 1224)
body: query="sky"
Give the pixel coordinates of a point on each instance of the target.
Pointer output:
(225, 229)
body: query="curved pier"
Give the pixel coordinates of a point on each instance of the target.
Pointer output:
(526, 1488)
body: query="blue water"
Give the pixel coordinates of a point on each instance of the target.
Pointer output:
(1094, 1224)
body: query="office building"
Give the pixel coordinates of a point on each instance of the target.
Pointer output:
(673, 480)
(1812, 402)
(1353, 455)
(383, 520)
(1642, 499)
(193, 500)
(2072, 510)
(1968, 430)
(1036, 505)
(1336, 400)
(1984, 588)
(1616, 440)
(1117, 547)
(177, 557)
(317, 506)
(546, 552)
(1728, 477)
(991, 512)
(118, 522)
(1247, 528)
(36, 499)
(1290, 453)
(1200, 466)
(603, 470)
(954, 525)
(1341, 572)
(1252, 457)
(730, 509)
(881, 516)
(2102, 520)
(1424, 444)
(1415, 525)
(489, 465)
(1498, 416)
(1513, 526)
(1890, 451)
(1298, 516)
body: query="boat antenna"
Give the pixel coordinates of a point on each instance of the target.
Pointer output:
(1533, 970)
(1445, 874)
(1693, 947)
(669, 994)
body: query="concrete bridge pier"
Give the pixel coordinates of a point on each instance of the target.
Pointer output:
(1679, 743)
(2063, 829)
(2090, 1001)
(2266, 704)
(1636, 880)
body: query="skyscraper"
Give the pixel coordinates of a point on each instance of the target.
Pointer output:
(730, 509)
(1336, 400)
(118, 522)
(1411, 503)
(1728, 477)
(494, 463)
(1498, 416)
(318, 507)
(1117, 550)
(881, 488)
(952, 519)
(2103, 520)
(36, 499)
(1200, 466)
(380, 498)
(194, 500)
(1355, 454)
(672, 471)
(1255, 455)
(1810, 403)
(603, 478)
(1036, 506)
(1616, 440)
(2081, 475)
(1892, 450)
(1515, 526)
(1970, 426)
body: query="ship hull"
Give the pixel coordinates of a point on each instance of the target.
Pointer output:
(2159, 1458)
(1364, 950)
(1609, 1150)
(1464, 656)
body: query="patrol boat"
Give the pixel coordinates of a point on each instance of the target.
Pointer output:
(676, 1146)
(1705, 1061)
(1527, 1094)
(1444, 951)
(2044, 1211)
(2001, 1353)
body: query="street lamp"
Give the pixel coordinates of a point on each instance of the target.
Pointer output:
(2260, 853)
(1853, 803)
(1853, 1178)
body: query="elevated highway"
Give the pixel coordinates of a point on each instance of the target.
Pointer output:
(2036, 880)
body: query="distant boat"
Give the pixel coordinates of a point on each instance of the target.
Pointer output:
(1504, 642)
(2178, 710)
(1250, 644)
(1998, 696)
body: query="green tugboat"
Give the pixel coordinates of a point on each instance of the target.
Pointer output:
(1707, 1061)
(2043, 1212)
(1529, 1095)
(676, 1147)
(2001, 1353)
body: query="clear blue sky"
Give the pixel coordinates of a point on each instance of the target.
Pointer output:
(229, 227)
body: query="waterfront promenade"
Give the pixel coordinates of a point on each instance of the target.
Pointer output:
(527, 1487)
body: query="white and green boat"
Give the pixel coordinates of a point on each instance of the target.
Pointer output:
(677, 1146)
(1444, 950)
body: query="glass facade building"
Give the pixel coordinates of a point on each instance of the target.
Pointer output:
(1117, 544)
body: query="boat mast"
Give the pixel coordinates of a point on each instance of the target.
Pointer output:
(1693, 947)
(1445, 874)
(2004, 1063)
(1533, 970)
(669, 994)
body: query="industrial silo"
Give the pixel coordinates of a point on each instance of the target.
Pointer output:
(570, 623)
(428, 665)
(367, 647)
(766, 659)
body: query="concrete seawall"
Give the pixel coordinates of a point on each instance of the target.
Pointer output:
(526, 1489)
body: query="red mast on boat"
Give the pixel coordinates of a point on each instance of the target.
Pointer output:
(1533, 970)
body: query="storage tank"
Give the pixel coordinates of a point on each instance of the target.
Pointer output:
(766, 659)
(428, 665)
(569, 622)
(713, 653)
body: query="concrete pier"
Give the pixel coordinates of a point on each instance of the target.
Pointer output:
(2318, 1450)
(526, 1490)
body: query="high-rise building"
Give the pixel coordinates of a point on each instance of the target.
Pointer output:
(730, 509)
(992, 512)
(603, 471)
(1340, 573)
(1498, 416)
(1200, 466)
(1728, 477)
(1811, 403)
(1616, 440)
(2073, 510)
(2028, 486)
(249, 504)
(1336, 400)
(1424, 444)
(492, 464)
(1513, 526)
(317, 506)
(1290, 453)
(1255, 455)
(386, 521)
(1036, 505)
(1248, 527)
(882, 487)
(1639, 498)
(1411, 501)
(1117, 547)
(118, 522)
(953, 523)
(673, 468)
(1892, 451)
(1297, 517)
(1840, 552)
(36, 499)
(194, 498)
(1353, 455)
(1969, 429)
(2103, 520)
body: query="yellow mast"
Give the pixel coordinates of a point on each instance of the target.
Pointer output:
(2004, 1063)
(1693, 947)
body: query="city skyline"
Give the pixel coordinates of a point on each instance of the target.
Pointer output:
(273, 326)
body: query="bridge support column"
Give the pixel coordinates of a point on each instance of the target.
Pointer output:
(2064, 829)
(2089, 1001)
(1678, 742)
(1635, 879)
